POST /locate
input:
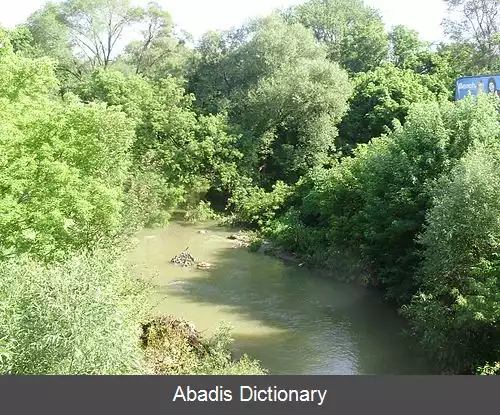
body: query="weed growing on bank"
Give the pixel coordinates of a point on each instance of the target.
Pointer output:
(81, 316)
(174, 347)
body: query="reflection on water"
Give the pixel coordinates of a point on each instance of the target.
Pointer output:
(289, 318)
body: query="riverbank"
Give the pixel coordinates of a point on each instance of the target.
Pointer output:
(342, 267)
(173, 346)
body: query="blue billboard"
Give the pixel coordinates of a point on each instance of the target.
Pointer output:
(472, 85)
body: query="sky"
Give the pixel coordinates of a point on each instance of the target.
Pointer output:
(199, 16)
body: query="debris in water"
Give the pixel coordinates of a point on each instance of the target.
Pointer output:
(184, 258)
(242, 240)
(177, 282)
(204, 265)
(239, 237)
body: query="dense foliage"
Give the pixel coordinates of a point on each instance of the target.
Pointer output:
(78, 317)
(381, 96)
(63, 164)
(313, 125)
(420, 208)
(174, 347)
(353, 33)
(459, 278)
(281, 93)
(77, 173)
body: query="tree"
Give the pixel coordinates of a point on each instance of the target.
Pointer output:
(409, 52)
(280, 91)
(294, 112)
(405, 46)
(395, 189)
(21, 40)
(158, 24)
(21, 76)
(63, 164)
(456, 315)
(230, 63)
(476, 23)
(160, 52)
(353, 33)
(44, 35)
(182, 154)
(380, 96)
(215, 72)
(95, 26)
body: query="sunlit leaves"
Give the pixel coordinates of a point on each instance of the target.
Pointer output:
(79, 317)
(353, 33)
(461, 270)
(62, 166)
(21, 76)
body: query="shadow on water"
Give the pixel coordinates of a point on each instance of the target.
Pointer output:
(289, 318)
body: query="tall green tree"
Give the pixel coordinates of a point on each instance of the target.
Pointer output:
(160, 51)
(475, 24)
(281, 92)
(44, 35)
(381, 96)
(178, 154)
(406, 46)
(62, 166)
(96, 26)
(219, 70)
(49, 35)
(353, 32)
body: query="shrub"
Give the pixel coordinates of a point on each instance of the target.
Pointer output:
(256, 207)
(174, 347)
(78, 317)
(202, 212)
(456, 315)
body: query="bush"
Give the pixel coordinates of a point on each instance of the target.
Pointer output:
(174, 347)
(290, 232)
(256, 207)
(202, 212)
(78, 317)
(149, 199)
(374, 203)
(456, 314)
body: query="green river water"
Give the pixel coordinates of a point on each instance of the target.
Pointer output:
(291, 319)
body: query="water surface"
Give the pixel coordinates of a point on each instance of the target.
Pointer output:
(291, 319)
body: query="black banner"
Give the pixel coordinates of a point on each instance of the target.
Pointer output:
(249, 394)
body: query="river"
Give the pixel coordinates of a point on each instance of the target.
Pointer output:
(291, 319)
